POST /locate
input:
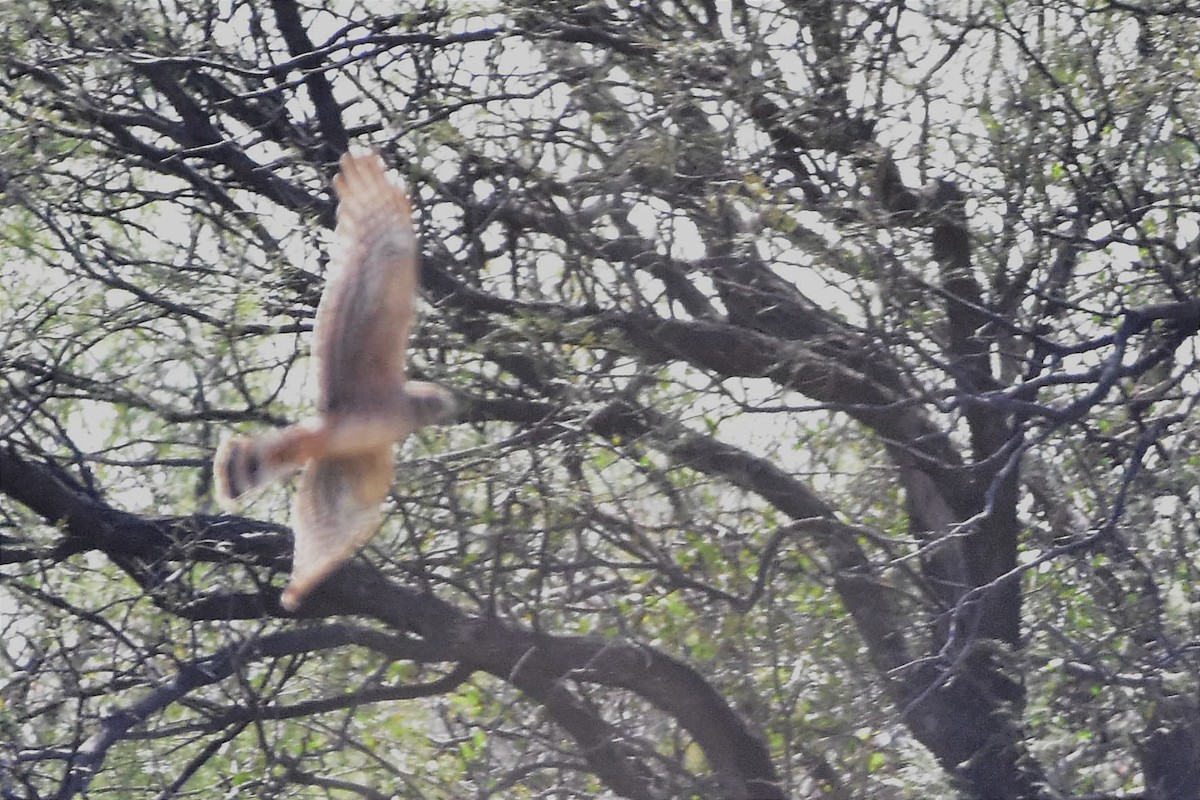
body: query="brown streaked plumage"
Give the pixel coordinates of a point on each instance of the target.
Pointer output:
(365, 404)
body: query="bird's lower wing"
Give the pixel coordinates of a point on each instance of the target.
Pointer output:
(337, 509)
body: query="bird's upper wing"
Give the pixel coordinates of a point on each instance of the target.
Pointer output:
(361, 337)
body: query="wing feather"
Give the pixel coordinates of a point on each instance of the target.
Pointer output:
(336, 511)
(366, 311)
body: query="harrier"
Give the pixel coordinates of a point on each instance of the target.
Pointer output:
(365, 404)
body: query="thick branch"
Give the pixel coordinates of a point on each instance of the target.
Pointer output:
(329, 114)
(89, 757)
(534, 662)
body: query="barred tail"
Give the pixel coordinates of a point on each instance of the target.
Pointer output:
(244, 465)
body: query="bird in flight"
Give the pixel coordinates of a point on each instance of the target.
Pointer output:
(365, 404)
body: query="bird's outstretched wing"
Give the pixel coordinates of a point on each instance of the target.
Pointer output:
(336, 511)
(361, 333)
